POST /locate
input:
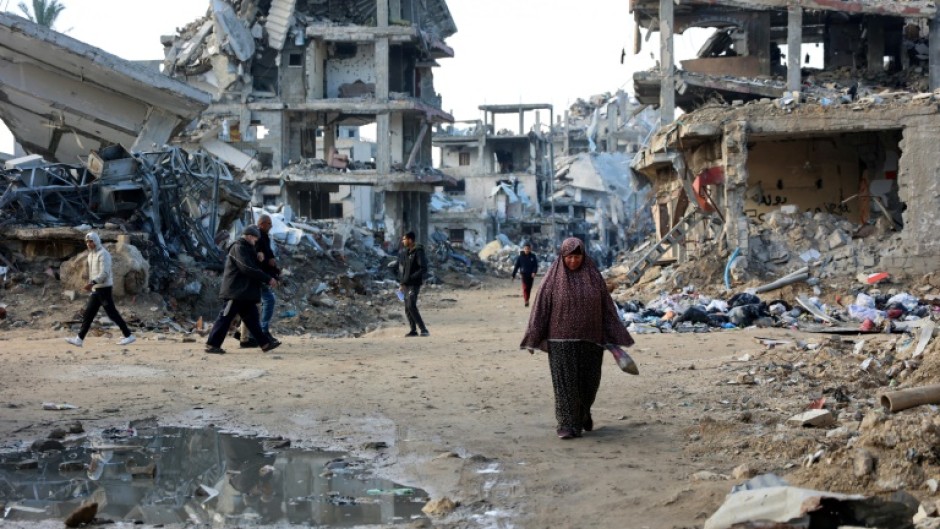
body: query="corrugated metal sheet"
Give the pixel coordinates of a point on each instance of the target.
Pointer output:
(280, 19)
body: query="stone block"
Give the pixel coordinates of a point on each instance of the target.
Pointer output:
(838, 238)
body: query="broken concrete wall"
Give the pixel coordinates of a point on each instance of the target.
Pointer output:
(348, 70)
(919, 183)
(451, 158)
(812, 174)
(479, 188)
(293, 75)
(314, 58)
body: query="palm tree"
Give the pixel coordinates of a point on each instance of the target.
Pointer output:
(45, 11)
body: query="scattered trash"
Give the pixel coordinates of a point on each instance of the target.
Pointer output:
(58, 406)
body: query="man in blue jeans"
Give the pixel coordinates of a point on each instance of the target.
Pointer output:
(268, 264)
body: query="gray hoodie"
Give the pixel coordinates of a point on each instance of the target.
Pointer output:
(99, 263)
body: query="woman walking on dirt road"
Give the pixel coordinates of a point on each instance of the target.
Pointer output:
(574, 318)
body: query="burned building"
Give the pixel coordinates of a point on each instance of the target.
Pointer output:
(288, 75)
(850, 141)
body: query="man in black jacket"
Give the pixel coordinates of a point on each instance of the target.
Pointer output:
(527, 264)
(241, 291)
(268, 264)
(412, 268)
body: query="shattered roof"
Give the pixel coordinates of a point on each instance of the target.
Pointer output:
(62, 97)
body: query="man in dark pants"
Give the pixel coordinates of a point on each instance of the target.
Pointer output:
(268, 264)
(100, 284)
(412, 268)
(241, 291)
(527, 264)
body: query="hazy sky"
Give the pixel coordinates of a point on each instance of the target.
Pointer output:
(506, 51)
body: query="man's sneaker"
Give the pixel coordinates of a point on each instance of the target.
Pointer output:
(212, 349)
(127, 340)
(411, 334)
(425, 333)
(75, 340)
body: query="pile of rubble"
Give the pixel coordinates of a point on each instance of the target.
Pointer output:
(855, 426)
(173, 200)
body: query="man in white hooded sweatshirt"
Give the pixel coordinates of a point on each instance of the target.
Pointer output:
(100, 284)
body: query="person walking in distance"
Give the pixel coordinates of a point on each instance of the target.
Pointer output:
(527, 264)
(574, 318)
(100, 284)
(268, 264)
(412, 269)
(240, 292)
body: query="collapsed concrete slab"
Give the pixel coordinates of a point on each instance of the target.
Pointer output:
(61, 97)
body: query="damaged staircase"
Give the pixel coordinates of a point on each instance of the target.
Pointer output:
(676, 234)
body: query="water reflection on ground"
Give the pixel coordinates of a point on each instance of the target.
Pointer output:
(162, 475)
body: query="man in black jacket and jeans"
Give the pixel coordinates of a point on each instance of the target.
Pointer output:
(241, 291)
(412, 268)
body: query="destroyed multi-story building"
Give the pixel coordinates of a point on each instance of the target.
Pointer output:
(854, 139)
(502, 175)
(287, 76)
(534, 180)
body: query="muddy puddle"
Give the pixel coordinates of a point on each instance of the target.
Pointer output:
(161, 475)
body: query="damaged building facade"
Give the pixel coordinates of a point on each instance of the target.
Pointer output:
(763, 137)
(543, 180)
(500, 177)
(289, 76)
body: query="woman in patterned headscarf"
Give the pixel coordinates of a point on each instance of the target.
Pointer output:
(573, 319)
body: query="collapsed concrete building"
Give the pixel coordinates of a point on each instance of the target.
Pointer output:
(502, 176)
(537, 181)
(853, 140)
(72, 106)
(288, 75)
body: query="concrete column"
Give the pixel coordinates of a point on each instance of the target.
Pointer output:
(934, 52)
(329, 140)
(534, 147)
(876, 44)
(382, 13)
(383, 155)
(567, 133)
(381, 69)
(394, 215)
(734, 154)
(794, 47)
(667, 67)
(521, 123)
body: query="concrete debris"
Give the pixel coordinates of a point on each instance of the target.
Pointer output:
(815, 418)
(795, 507)
(172, 202)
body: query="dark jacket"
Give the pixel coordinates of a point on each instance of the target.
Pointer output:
(412, 266)
(526, 264)
(264, 246)
(243, 277)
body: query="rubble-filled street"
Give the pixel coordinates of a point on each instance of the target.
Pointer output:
(267, 279)
(466, 415)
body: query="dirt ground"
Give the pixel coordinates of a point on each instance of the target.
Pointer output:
(467, 390)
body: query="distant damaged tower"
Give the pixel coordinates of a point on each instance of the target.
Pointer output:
(292, 83)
